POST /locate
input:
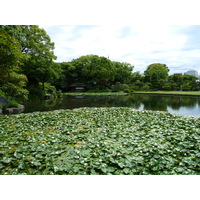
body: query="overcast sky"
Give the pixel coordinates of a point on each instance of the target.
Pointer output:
(140, 45)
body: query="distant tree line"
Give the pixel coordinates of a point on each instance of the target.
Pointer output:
(156, 77)
(27, 66)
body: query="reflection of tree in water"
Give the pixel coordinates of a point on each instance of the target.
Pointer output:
(174, 102)
(182, 101)
(50, 103)
(103, 101)
(189, 101)
(150, 102)
(154, 103)
(158, 102)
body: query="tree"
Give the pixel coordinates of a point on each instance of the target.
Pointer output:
(12, 82)
(94, 71)
(136, 76)
(158, 73)
(123, 72)
(68, 76)
(154, 81)
(176, 81)
(37, 44)
(161, 71)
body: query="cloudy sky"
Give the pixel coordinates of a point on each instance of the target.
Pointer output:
(140, 45)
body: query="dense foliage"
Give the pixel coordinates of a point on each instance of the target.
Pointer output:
(95, 72)
(27, 64)
(12, 82)
(99, 141)
(27, 58)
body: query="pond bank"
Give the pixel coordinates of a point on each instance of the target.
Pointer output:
(96, 93)
(174, 93)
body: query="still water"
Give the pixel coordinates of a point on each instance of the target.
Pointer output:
(183, 105)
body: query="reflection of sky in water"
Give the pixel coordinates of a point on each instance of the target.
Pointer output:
(194, 111)
(181, 105)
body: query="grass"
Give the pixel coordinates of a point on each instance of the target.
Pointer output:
(95, 93)
(181, 93)
(186, 93)
(99, 141)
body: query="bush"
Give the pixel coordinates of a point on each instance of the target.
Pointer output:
(11, 104)
(146, 87)
(126, 90)
(12, 90)
(186, 87)
(98, 91)
(119, 87)
(2, 93)
(134, 88)
(167, 86)
(48, 88)
(59, 94)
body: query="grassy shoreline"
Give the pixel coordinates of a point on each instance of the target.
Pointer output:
(99, 141)
(178, 93)
(96, 93)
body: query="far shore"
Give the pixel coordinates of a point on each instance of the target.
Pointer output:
(178, 93)
(175, 93)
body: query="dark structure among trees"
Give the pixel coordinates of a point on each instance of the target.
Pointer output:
(77, 87)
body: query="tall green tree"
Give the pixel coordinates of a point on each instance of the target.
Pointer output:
(37, 44)
(136, 76)
(68, 76)
(160, 69)
(94, 71)
(158, 72)
(40, 67)
(123, 72)
(12, 82)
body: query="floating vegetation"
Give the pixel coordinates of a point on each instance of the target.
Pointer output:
(99, 141)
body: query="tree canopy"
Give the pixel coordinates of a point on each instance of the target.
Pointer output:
(156, 74)
(12, 82)
(123, 72)
(93, 69)
(27, 63)
(37, 45)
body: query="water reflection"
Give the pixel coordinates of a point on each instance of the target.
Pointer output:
(186, 105)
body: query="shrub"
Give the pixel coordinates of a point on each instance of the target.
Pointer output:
(146, 87)
(134, 87)
(167, 86)
(127, 91)
(11, 104)
(98, 91)
(14, 91)
(59, 94)
(186, 87)
(119, 87)
(49, 89)
(2, 93)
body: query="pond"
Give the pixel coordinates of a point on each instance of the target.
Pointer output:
(183, 105)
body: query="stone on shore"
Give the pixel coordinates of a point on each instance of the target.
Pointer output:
(18, 110)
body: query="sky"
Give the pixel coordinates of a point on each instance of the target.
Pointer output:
(177, 46)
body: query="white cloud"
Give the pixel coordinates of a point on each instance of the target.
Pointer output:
(137, 44)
